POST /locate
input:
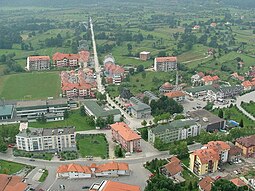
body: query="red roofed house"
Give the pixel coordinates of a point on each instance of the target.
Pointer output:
(196, 27)
(111, 169)
(176, 95)
(238, 182)
(248, 85)
(173, 170)
(127, 138)
(38, 63)
(213, 24)
(206, 184)
(209, 80)
(108, 185)
(247, 144)
(73, 171)
(114, 73)
(12, 183)
(165, 64)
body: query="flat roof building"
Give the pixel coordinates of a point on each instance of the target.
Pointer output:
(6, 112)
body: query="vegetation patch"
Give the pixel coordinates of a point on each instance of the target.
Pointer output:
(44, 175)
(249, 107)
(7, 167)
(36, 155)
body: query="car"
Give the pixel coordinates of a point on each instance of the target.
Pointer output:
(217, 177)
(85, 187)
(31, 159)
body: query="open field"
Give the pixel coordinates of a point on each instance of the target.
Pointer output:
(92, 145)
(249, 107)
(75, 119)
(7, 167)
(36, 85)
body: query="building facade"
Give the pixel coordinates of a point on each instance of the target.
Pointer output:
(165, 64)
(145, 55)
(247, 144)
(6, 112)
(38, 63)
(74, 171)
(139, 109)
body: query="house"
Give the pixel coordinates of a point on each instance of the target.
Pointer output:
(237, 77)
(72, 171)
(151, 96)
(127, 138)
(209, 80)
(111, 169)
(47, 139)
(38, 63)
(11, 183)
(108, 185)
(165, 64)
(145, 55)
(93, 109)
(204, 161)
(248, 85)
(234, 153)
(139, 109)
(196, 27)
(6, 112)
(178, 96)
(220, 147)
(166, 88)
(78, 84)
(206, 184)
(174, 131)
(229, 91)
(213, 25)
(247, 144)
(238, 182)
(207, 120)
(196, 79)
(173, 170)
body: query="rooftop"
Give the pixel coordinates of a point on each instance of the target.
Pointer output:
(246, 141)
(201, 88)
(206, 155)
(166, 59)
(218, 146)
(174, 166)
(174, 94)
(112, 166)
(206, 183)
(34, 103)
(238, 182)
(35, 58)
(6, 110)
(124, 131)
(73, 168)
(151, 95)
(11, 183)
(108, 185)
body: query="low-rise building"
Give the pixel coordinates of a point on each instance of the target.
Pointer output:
(209, 80)
(38, 63)
(174, 131)
(247, 144)
(206, 184)
(207, 120)
(72, 171)
(248, 85)
(177, 95)
(238, 182)
(48, 139)
(127, 138)
(196, 79)
(234, 154)
(93, 109)
(111, 169)
(108, 185)
(229, 91)
(166, 87)
(165, 64)
(6, 112)
(139, 109)
(145, 55)
(12, 183)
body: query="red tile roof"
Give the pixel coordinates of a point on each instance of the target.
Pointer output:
(210, 78)
(206, 183)
(238, 182)
(124, 131)
(205, 155)
(84, 56)
(201, 74)
(117, 186)
(11, 183)
(111, 166)
(174, 94)
(218, 146)
(174, 166)
(246, 84)
(61, 56)
(166, 59)
(246, 141)
(73, 168)
(36, 58)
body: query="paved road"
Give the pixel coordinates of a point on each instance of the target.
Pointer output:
(245, 98)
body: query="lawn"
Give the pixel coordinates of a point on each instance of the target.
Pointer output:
(75, 119)
(249, 107)
(92, 145)
(7, 167)
(44, 176)
(36, 85)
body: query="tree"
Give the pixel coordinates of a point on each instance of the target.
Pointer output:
(241, 124)
(140, 68)
(110, 119)
(131, 71)
(118, 152)
(100, 122)
(42, 118)
(3, 146)
(224, 185)
(180, 149)
(82, 111)
(144, 123)
(158, 143)
(220, 114)
(146, 99)
(66, 114)
(129, 47)
(190, 187)
(162, 54)
(144, 133)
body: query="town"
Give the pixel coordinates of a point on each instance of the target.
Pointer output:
(107, 101)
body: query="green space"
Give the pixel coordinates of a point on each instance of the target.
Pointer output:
(34, 155)
(94, 145)
(44, 175)
(36, 85)
(69, 155)
(154, 165)
(82, 123)
(7, 167)
(249, 107)
(190, 179)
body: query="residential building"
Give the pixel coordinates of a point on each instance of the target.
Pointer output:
(12, 183)
(248, 85)
(6, 112)
(209, 80)
(173, 170)
(234, 153)
(236, 76)
(174, 131)
(47, 139)
(207, 120)
(166, 88)
(204, 161)
(229, 91)
(177, 95)
(72, 171)
(114, 73)
(238, 182)
(127, 138)
(165, 64)
(247, 144)
(196, 79)
(108, 185)
(38, 63)
(221, 148)
(78, 84)
(93, 109)
(206, 184)
(139, 109)
(145, 55)
(109, 59)
(111, 169)
(151, 96)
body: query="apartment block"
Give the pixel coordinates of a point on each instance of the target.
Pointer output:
(165, 64)
(38, 63)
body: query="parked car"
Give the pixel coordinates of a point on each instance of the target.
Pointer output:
(85, 187)
(217, 177)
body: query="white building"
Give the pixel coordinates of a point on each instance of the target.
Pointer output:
(165, 64)
(72, 171)
(38, 63)
(39, 139)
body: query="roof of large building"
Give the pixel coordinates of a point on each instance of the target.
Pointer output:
(12, 183)
(206, 183)
(234, 150)
(62, 56)
(197, 89)
(73, 168)
(206, 155)
(6, 110)
(166, 59)
(111, 166)
(139, 105)
(32, 103)
(246, 141)
(36, 58)
(218, 146)
(99, 111)
(115, 186)
(174, 94)
(124, 131)
(150, 95)
(173, 125)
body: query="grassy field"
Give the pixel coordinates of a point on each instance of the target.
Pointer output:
(44, 176)
(7, 167)
(92, 145)
(249, 107)
(75, 119)
(30, 86)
